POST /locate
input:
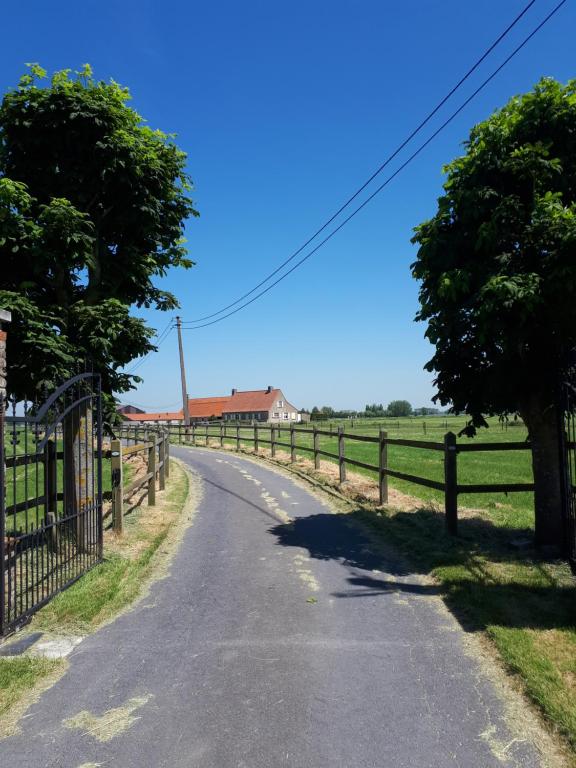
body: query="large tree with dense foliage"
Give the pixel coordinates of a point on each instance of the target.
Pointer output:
(92, 209)
(399, 408)
(497, 265)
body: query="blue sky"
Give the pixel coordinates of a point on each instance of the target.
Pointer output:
(284, 110)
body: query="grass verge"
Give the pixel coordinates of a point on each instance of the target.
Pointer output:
(18, 675)
(130, 563)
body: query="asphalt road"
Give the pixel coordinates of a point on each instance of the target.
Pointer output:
(272, 643)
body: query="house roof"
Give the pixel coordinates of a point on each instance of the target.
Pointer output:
(203, 407)
(252, 401)
(198, 408)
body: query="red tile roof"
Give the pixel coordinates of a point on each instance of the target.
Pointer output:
(204, 407)
(198, 408)
(252, 402)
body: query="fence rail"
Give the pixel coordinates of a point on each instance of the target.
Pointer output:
(270, 435)
(156, 449)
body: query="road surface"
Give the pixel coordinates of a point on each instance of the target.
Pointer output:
(272, 643)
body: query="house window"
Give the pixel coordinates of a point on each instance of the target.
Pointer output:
(275, 415)
(285, 415)
(280, 403)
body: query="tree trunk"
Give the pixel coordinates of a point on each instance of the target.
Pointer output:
(543, 425)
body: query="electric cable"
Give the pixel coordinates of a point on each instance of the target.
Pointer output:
(389, 178)
(386, 162)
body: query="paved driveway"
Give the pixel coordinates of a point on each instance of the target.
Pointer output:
(279, 639)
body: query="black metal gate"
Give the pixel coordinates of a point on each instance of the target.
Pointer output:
(51, 504)
(568, 455)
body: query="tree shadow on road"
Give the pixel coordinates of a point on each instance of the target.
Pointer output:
(481, 578)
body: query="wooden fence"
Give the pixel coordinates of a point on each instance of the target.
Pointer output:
(270, 435)
(156, 449)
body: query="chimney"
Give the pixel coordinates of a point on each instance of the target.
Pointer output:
(234, 392)
(269, 389)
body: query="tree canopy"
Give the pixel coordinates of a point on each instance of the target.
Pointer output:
(497, 262)
(92, 209)
(399, 408)
(497, 265)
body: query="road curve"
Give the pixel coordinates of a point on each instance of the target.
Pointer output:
(279, 639)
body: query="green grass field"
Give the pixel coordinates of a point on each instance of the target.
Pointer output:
(24, 483)
(513, 510)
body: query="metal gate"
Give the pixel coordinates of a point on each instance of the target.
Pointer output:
(568, 455)
(51, 504)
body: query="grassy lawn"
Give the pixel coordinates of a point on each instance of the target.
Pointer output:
(28, 482)
(18, 675)
(129, 563)
(514, 509)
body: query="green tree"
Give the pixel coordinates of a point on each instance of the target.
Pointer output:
(92, 208)
(497, 266)
(399, 408)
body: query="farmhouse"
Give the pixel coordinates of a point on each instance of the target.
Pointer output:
(259, 405)
(255, 405)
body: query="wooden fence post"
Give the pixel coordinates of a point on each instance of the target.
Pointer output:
(272, 441)
(341, 455)
(255, 438)
(207, 443)
(167, 455)
(451, 483)
(117, 485)
(162, 463)
(180, 433)
(152, 472)
(315, 442)
(383, 465)
(221, 435)
(237, 437)
(51, 482)
(292, 444)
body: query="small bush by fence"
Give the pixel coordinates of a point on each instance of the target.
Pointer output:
(308, 440)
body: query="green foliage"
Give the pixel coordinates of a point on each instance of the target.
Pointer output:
(399, 408)
(92, 208)
(497, 262)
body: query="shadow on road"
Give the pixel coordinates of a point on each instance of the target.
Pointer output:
(526, 595)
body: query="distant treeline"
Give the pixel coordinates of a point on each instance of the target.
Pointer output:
(394, 409)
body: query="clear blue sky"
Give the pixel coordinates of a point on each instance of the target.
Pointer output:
(284, 109)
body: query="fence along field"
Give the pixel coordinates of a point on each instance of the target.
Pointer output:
(51, 513)
(507, 463)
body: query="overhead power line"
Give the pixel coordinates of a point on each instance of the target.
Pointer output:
(161, 339)
(357, 210)
(379, 170)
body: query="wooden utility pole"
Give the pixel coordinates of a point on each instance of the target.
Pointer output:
(183, 374)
